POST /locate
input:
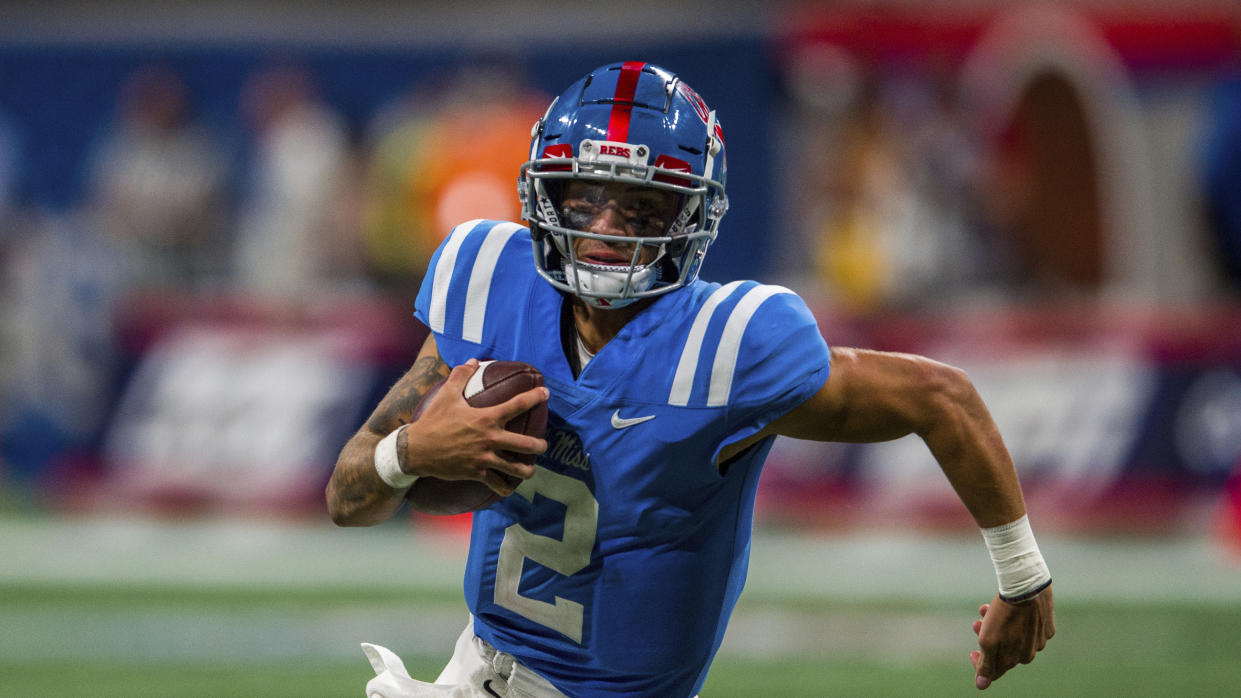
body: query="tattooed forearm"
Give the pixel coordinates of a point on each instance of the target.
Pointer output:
(353, 486)
(356, 496)
(398, 406)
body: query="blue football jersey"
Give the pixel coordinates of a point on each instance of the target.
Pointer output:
(613, 571)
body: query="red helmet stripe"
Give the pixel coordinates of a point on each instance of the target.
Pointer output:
(622, 101)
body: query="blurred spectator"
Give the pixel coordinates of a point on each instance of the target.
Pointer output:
(157, 185)
(60, 286)
(443, 154)
(945, 162)
(298, 229)
(867, 192)
(892, 172)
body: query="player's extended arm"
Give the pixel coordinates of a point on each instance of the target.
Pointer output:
(450, 440)
(877, 396)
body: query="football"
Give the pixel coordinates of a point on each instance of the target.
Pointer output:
(493, 383)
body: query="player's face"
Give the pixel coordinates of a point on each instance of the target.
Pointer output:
(619, 209)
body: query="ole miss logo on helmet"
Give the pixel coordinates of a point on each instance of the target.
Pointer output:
(700, 107)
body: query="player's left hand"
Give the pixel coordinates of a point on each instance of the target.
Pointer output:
(1009, 634)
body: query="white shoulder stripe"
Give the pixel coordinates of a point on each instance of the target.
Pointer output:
(730, 342)
(443, 274)
(683, 381)
(480, 279)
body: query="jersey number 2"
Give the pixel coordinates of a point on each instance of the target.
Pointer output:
(567, 556)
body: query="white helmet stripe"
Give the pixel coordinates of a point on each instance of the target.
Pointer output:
(708, 171)
(534, 136)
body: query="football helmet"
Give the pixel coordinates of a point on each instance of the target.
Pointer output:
(636, 124)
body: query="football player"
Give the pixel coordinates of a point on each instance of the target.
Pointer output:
(613, 567)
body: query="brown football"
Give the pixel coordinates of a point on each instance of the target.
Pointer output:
(493, 383)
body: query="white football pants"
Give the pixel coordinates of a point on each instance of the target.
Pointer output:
(476, 670)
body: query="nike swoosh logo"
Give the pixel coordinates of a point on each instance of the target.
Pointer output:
(619, 422)
(487, 688)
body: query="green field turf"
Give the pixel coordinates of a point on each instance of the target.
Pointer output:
(1051, 676)
(130, 607)
(1126, 649)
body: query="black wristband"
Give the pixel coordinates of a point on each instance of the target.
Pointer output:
(1027, 595)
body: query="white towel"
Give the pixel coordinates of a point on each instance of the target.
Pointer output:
(392, 679)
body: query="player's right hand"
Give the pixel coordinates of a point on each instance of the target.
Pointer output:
(452, 440)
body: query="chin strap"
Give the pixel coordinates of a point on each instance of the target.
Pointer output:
(589, 279)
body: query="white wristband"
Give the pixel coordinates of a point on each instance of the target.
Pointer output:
(1019, 566)
(388, 465)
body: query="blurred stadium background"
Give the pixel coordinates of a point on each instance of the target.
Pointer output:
(213, 218)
